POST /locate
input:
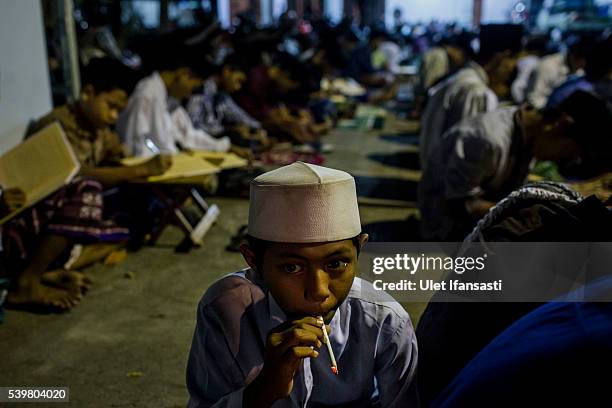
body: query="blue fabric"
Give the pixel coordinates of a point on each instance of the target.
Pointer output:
(553, 356)
(567, 88)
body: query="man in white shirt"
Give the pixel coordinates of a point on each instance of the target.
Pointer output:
(472, 90)
(553, 70)
(481, 159)
(450, 55)
(149, 125)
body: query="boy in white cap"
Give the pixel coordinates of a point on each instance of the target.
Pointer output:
(259, 335)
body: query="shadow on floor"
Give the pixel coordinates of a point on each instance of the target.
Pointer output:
(404, 160)
(407, 230)
(401, 138)
(386, 188)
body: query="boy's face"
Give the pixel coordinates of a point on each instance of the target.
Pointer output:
(183, 83)
(309, 279)
(102, 108)
(232, 79)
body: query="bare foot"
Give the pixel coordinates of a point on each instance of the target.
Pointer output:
(76, 283)
(85, 255)
(35, 295)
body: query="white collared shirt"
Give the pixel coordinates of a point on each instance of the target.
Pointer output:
(550, 72)
(463, 95)
(371, 335)
(147, 118)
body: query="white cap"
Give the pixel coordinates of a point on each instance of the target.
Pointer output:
(302, 203)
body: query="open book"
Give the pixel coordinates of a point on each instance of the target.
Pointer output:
(38, 166)
(185, 168)
(224, 161)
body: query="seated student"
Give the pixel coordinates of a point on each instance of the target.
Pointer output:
(447, 57)
(259, 337)
(154, 121)
(553, 70)
(528, 60)
(481, 159)
(75, 213)
(472, 90)
(360, 65)
(451, 334)
(450, 55)
(214, 110)
(596, 79)
(264, 96)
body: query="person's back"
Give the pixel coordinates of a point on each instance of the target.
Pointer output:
(463, 95)
(147, 126)
(524, 69)
(145, 120)
(435, 65)
(551, 72)
(480, 156)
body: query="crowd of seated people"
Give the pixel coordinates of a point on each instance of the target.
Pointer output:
(485, 119)
(484, 130)
(208, 90)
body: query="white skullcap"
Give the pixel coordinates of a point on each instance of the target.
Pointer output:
(302, 203)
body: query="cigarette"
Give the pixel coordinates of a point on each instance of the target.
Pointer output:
(334, 365)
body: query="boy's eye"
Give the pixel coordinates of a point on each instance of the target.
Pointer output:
(336, 265)
(292, 268)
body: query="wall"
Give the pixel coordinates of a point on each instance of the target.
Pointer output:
(25, 92)
(333, 10)
(497, 11)
(426, 10)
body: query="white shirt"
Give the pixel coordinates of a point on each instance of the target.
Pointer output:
(464, 94)
(434, 66)
(524, 67)
(371, 335)
(393, 54)
(483, 156)
(147, 118)
(551, 72)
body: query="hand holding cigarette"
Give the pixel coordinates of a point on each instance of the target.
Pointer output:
(286, 346)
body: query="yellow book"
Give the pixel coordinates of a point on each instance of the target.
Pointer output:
(224, 161)
(38, 166)
(185, 168)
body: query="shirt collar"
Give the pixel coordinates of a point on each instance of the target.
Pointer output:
(277, 316)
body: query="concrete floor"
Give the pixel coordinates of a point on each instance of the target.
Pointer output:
(140, 315)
